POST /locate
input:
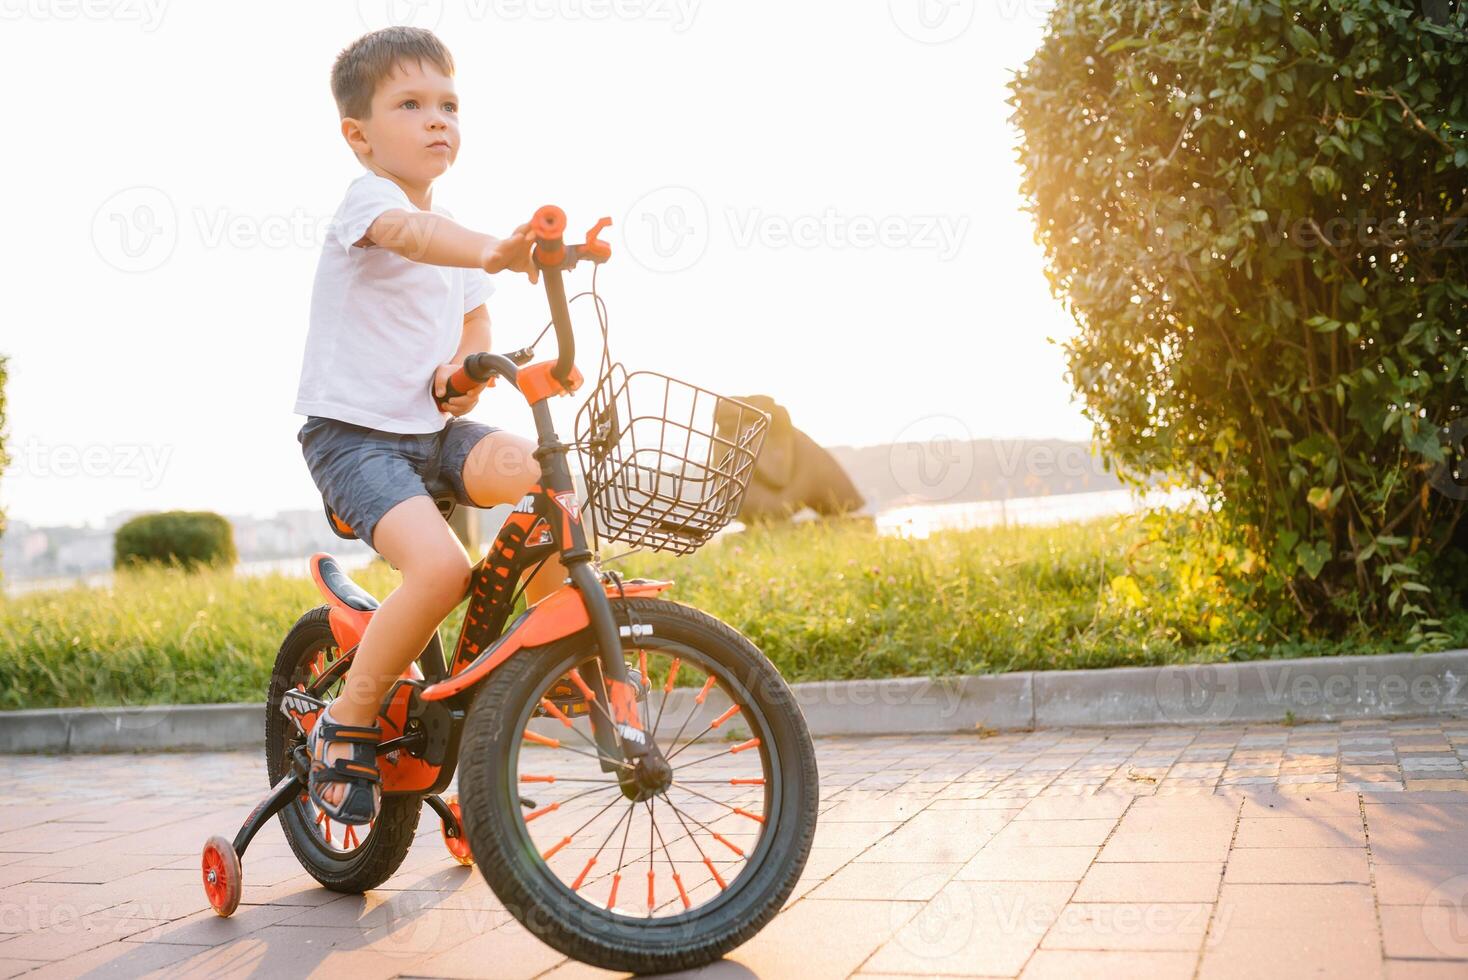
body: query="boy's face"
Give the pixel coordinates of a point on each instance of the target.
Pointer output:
(413, 132)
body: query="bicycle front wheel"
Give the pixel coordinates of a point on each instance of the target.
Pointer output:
(613, 868)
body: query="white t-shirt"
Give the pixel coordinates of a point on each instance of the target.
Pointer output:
(380, 323)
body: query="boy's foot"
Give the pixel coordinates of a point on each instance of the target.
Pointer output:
(345, 782)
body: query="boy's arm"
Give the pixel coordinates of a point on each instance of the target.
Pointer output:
(474, 340)
(434, 239)
(476, 333)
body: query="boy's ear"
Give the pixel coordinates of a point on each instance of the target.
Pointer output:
(356, 139)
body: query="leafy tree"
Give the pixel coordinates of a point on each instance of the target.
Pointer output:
(1258, 215)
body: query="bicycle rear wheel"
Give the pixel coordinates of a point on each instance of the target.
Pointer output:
(641, 874)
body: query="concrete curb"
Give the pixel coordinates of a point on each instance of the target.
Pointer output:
(1397, 685)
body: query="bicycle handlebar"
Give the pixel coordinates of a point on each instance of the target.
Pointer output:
(552, 256)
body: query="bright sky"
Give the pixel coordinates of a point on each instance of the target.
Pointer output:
(814, 200)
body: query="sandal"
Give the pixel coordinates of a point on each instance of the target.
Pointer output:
(358, 770)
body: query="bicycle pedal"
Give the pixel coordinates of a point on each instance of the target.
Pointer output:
(301, 708)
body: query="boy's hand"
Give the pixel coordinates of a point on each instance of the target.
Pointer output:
(513, 253)
(454, 406)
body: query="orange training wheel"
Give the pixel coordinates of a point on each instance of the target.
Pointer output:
(458, 846)
(221, 875)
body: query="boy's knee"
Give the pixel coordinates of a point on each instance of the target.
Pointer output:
(443, 579)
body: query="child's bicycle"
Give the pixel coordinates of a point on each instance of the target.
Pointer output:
(637, 783)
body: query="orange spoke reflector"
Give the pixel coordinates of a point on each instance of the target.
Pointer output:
(720, 838)
(582, 876)
(724, 717)
(320, 816)
(554, 806)
(612, 898)
(547, 855)
(681, 893)
(650, 901)
(349, 837)
(672, 673)
(746, 782)
(575, 676)
(544, 779)
(539, 739)
(555, 712)
(752, 816)
(326, 826)
(705, 692)
(738, 748)
(710, 865)
(642, 662)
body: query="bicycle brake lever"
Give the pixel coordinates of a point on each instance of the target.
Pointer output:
(594, 248)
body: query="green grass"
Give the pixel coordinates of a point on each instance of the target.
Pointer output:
(823, 601)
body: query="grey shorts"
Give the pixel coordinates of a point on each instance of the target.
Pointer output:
(363, 473)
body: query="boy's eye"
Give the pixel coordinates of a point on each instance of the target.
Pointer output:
(451, 106)
(410, 104)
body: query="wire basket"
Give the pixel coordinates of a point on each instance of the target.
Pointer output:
(666, 462)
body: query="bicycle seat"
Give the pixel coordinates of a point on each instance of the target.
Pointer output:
(342, 586)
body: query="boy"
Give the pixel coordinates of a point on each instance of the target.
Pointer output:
(398, 302)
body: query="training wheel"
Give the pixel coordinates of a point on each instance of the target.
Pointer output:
(221, 875)
(458, 846)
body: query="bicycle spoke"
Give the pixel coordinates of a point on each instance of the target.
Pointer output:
(667, 689)
(672, 867)
(621, 855)
(741, 812)
(560, 716)
(556, 847)
(711, 726)
(576, 885)
(556, 804)
(694, 841)
(705, 828)
(752, 743)
(693, 710)
(555, 743)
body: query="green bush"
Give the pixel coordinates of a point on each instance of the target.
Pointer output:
(1258, 215)
(188, 537)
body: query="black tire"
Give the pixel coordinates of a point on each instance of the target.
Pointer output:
(381, 849)
(566, 919)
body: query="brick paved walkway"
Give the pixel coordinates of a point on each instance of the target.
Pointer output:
(1335, 850)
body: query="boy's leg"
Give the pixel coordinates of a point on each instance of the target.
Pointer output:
(501, 469)
(415, 538)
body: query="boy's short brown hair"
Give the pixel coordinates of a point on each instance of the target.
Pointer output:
(371, 58)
